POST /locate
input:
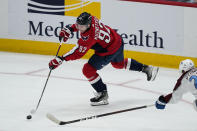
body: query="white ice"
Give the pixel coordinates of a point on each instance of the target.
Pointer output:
(22, 77)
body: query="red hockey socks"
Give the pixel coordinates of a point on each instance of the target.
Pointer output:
(94, 78)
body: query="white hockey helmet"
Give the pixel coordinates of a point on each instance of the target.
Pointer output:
(186, 65)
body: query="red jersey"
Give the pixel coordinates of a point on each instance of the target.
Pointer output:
(99, 37)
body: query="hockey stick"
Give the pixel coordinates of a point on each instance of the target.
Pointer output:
(59, 122)
(33, 111)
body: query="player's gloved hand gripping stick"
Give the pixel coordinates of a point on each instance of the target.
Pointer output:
(64, 34)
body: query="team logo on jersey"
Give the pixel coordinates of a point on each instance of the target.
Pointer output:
(84, 37)
(65, 7)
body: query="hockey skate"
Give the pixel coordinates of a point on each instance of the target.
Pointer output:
(101, 98)
(151, 72)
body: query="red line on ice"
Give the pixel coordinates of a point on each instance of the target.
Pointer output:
(69, 78)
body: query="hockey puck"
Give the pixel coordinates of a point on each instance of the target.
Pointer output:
(29, 117)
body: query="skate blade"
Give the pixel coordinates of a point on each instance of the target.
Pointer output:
(154, 73)
(104, 102)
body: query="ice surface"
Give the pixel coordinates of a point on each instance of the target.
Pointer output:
(22, 77)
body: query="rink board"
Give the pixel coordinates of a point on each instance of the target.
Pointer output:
(50, 48)
(154, 34)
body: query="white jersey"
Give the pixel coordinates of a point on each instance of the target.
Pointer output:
(186, 83)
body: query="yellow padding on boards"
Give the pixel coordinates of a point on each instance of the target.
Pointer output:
(36, 47)
(50, 48)
(170, 61)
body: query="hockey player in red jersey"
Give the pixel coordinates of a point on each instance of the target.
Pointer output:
(186, 83)
(108, 48)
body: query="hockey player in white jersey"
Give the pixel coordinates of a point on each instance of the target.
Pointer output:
(186, 83)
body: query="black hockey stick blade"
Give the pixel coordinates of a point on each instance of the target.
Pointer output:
(59, 122)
